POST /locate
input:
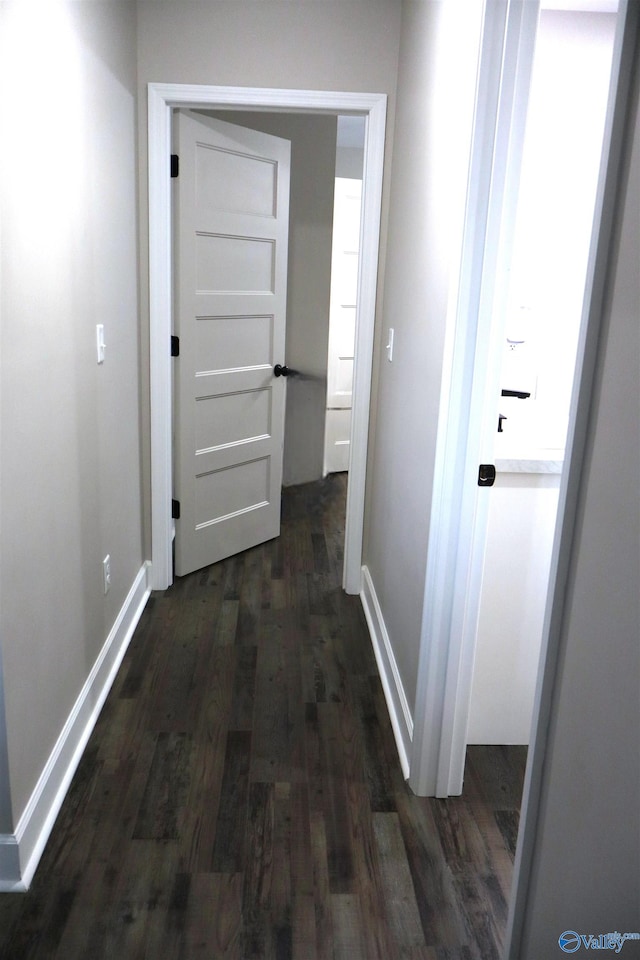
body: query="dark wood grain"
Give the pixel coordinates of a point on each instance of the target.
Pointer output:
(241, 795)
(397, 886)
(228, 851)
(163, 800)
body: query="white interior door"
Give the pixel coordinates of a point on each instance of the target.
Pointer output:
(342, 322)
(232, 219)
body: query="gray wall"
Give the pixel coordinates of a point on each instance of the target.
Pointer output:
(313, 161)
(350, 46)
(436, 84)
(350, 147)
(349, 161)
(586, 865)
(70, 471)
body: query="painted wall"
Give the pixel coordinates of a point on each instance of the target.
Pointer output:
(265, 43)
(70, 471)
(586, 868)
(313, 160)
(436, 86)
(350, 147)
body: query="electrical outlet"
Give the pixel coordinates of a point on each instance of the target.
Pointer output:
(106, 573)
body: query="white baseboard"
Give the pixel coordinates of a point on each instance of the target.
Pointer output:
(20, 852)
(397, 703)
(10, 881)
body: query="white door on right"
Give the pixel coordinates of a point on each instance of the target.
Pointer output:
(342, 322)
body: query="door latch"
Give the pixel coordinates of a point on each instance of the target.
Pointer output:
(486, 475)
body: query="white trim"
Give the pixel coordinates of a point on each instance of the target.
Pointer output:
(517, 67)
(10, 881)
(6, 817)
(453, 575)
(20, 852)
(161, 98)
(395, 696)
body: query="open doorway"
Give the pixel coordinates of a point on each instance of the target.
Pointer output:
(556, 201)
(324, 202)
(472, 398)
(312, 172)
(345, 253)
(162, 99)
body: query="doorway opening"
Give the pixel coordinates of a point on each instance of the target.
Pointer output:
(467, 435)
(563, 145)
(327, 158)
(343, 294)
(163, 98)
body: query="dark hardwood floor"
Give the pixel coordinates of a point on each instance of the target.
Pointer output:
(241, 794)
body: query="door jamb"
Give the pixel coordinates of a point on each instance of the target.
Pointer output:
(162, 98)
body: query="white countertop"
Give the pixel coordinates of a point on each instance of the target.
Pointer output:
(527, 458)
(529, 464)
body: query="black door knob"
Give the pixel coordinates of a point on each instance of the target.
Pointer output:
(281, 371)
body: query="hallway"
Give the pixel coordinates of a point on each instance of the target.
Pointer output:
(241, 794)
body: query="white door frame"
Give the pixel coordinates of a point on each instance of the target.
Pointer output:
(458, 515)
(456, 545)
(162, 98)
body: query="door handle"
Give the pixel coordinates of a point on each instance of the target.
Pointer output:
(520, 394)
(281, 370)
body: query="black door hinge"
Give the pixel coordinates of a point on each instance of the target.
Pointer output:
(175, 165)
(175, 509)
(175, 346)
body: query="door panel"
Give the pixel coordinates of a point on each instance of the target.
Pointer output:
(232, 182)
(233, 264)
(342, 323)
(232, 217)
(344, 286)
(223, 343)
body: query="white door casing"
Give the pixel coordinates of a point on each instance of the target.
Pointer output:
(162, 98)
(232, 221)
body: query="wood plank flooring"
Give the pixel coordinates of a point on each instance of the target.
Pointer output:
(241, 795)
